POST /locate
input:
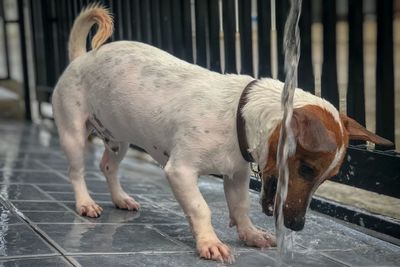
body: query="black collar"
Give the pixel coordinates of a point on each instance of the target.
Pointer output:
(241, 124)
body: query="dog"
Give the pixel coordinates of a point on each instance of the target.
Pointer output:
(193, 122)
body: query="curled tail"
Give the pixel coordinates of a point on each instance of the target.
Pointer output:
(92, 14)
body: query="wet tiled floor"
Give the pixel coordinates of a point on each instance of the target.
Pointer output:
(39, 227)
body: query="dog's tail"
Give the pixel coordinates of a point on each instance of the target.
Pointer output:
(92, 14)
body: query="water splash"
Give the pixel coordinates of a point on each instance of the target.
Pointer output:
(287, 143)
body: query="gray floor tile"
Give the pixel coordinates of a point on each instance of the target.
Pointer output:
(18, 240)
(7, 217)
(321, 237)
(148, 214)
(26, 164)
(38, 206)
(62, 165)
(366, 256)
(179, 260)
(130, 187)
(89, 175)
(21, 192)
(70, 196)
(86, 238)
(54, 217)
(32, 177)
(63, 188)
(180, 232)
(305, 258)
(54, 261)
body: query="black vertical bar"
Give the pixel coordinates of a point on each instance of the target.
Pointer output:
(385, 71)
(282, 10)
(48, 34)
(82, 3)
(5, 37)
(135, 20)
(155, 23)
(264, 40)
(70, 15)
(246, 46)
(55, 39)
(75, 5)
(201, 38)
(107, 3)
(126, 19)
(213, 26)
(62, 33)
(177, 26)
(38, 45)
(187, 31)
(24, 62)
(145, 22)
(116, 9)
(305, 70)
(329, 84)
(355, 91)
(166, 26)
(229, 35)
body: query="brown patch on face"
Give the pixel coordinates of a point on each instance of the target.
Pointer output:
(318, 137)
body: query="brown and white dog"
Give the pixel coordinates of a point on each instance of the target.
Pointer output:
(185, 116)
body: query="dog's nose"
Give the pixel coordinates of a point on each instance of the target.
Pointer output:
(295, 224)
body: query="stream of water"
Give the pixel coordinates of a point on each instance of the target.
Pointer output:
(287, 143)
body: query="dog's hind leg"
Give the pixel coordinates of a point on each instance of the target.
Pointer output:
(70, 115)
(73, 142)
(109, 166)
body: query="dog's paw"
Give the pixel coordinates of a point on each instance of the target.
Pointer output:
(90, 209)
(254, 237)
(215, 250)
(126, 203)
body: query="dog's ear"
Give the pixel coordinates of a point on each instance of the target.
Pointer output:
(357, 132)
(311, 133)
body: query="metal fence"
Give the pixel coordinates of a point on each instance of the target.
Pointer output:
(235, 36)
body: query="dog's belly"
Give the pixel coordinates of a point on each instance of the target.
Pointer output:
(114, 133)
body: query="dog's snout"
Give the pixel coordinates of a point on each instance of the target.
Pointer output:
(295, 224)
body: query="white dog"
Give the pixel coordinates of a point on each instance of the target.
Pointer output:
(188, 119)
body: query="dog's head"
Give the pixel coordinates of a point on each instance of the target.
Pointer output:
(321, 144)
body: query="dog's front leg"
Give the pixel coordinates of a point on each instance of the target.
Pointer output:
(237, 196)
(183, 181)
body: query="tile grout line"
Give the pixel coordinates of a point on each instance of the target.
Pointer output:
(162, 207)
(59, 202)
(334, 259)
(52, 170)
(168, 237)
(36, 229)
(147, 252)
(17, 257)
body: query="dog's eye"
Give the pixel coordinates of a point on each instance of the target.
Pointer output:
(306, 171)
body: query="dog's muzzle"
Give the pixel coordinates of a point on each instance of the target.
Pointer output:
(295, 224)
(268, 196)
